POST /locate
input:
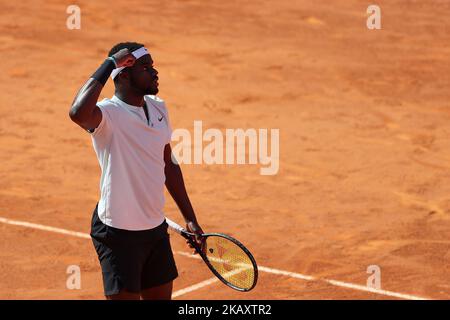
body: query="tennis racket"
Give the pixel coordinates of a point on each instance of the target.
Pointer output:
(226, 257)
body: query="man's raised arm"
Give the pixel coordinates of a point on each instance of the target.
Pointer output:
(84, 110)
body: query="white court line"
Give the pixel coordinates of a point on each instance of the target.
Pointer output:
(212, 280)
(45, 228)
(194, 287)
(204, 283)
(332, 282)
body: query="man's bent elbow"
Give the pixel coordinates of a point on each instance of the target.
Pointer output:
(74, 114)
(78, 117)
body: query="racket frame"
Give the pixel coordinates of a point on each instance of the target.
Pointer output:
(190, 237)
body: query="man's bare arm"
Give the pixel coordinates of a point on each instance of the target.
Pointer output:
(175, 186)
(84, 110)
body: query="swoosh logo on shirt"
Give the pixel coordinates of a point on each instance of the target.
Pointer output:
(159, 119)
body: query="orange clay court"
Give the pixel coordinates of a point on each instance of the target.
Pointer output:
(364, 141)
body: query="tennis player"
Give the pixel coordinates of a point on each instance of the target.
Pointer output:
(131, 137)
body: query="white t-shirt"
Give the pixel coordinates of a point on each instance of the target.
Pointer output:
(130, 152)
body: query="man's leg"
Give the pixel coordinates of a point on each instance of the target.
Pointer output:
(162, 292)
(124, 295)
(120, 258)
(159, 270)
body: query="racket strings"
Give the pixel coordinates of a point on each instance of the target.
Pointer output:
(230, 261)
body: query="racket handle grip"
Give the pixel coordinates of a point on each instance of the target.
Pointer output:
(174, 226)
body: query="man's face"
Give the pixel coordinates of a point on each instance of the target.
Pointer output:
(143, 77)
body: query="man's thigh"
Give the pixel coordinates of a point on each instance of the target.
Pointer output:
(124, 295)
(162, 292)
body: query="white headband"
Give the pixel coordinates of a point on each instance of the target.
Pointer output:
(142, 51)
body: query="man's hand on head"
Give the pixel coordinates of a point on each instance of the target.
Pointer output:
(124, 58)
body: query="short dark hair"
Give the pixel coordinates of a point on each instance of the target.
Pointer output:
(122, 45)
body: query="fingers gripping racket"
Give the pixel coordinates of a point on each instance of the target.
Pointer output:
(226, 257)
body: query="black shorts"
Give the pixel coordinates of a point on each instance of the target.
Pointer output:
(133, 260)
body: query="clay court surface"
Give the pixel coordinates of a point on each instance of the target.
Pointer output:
(364, 140)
